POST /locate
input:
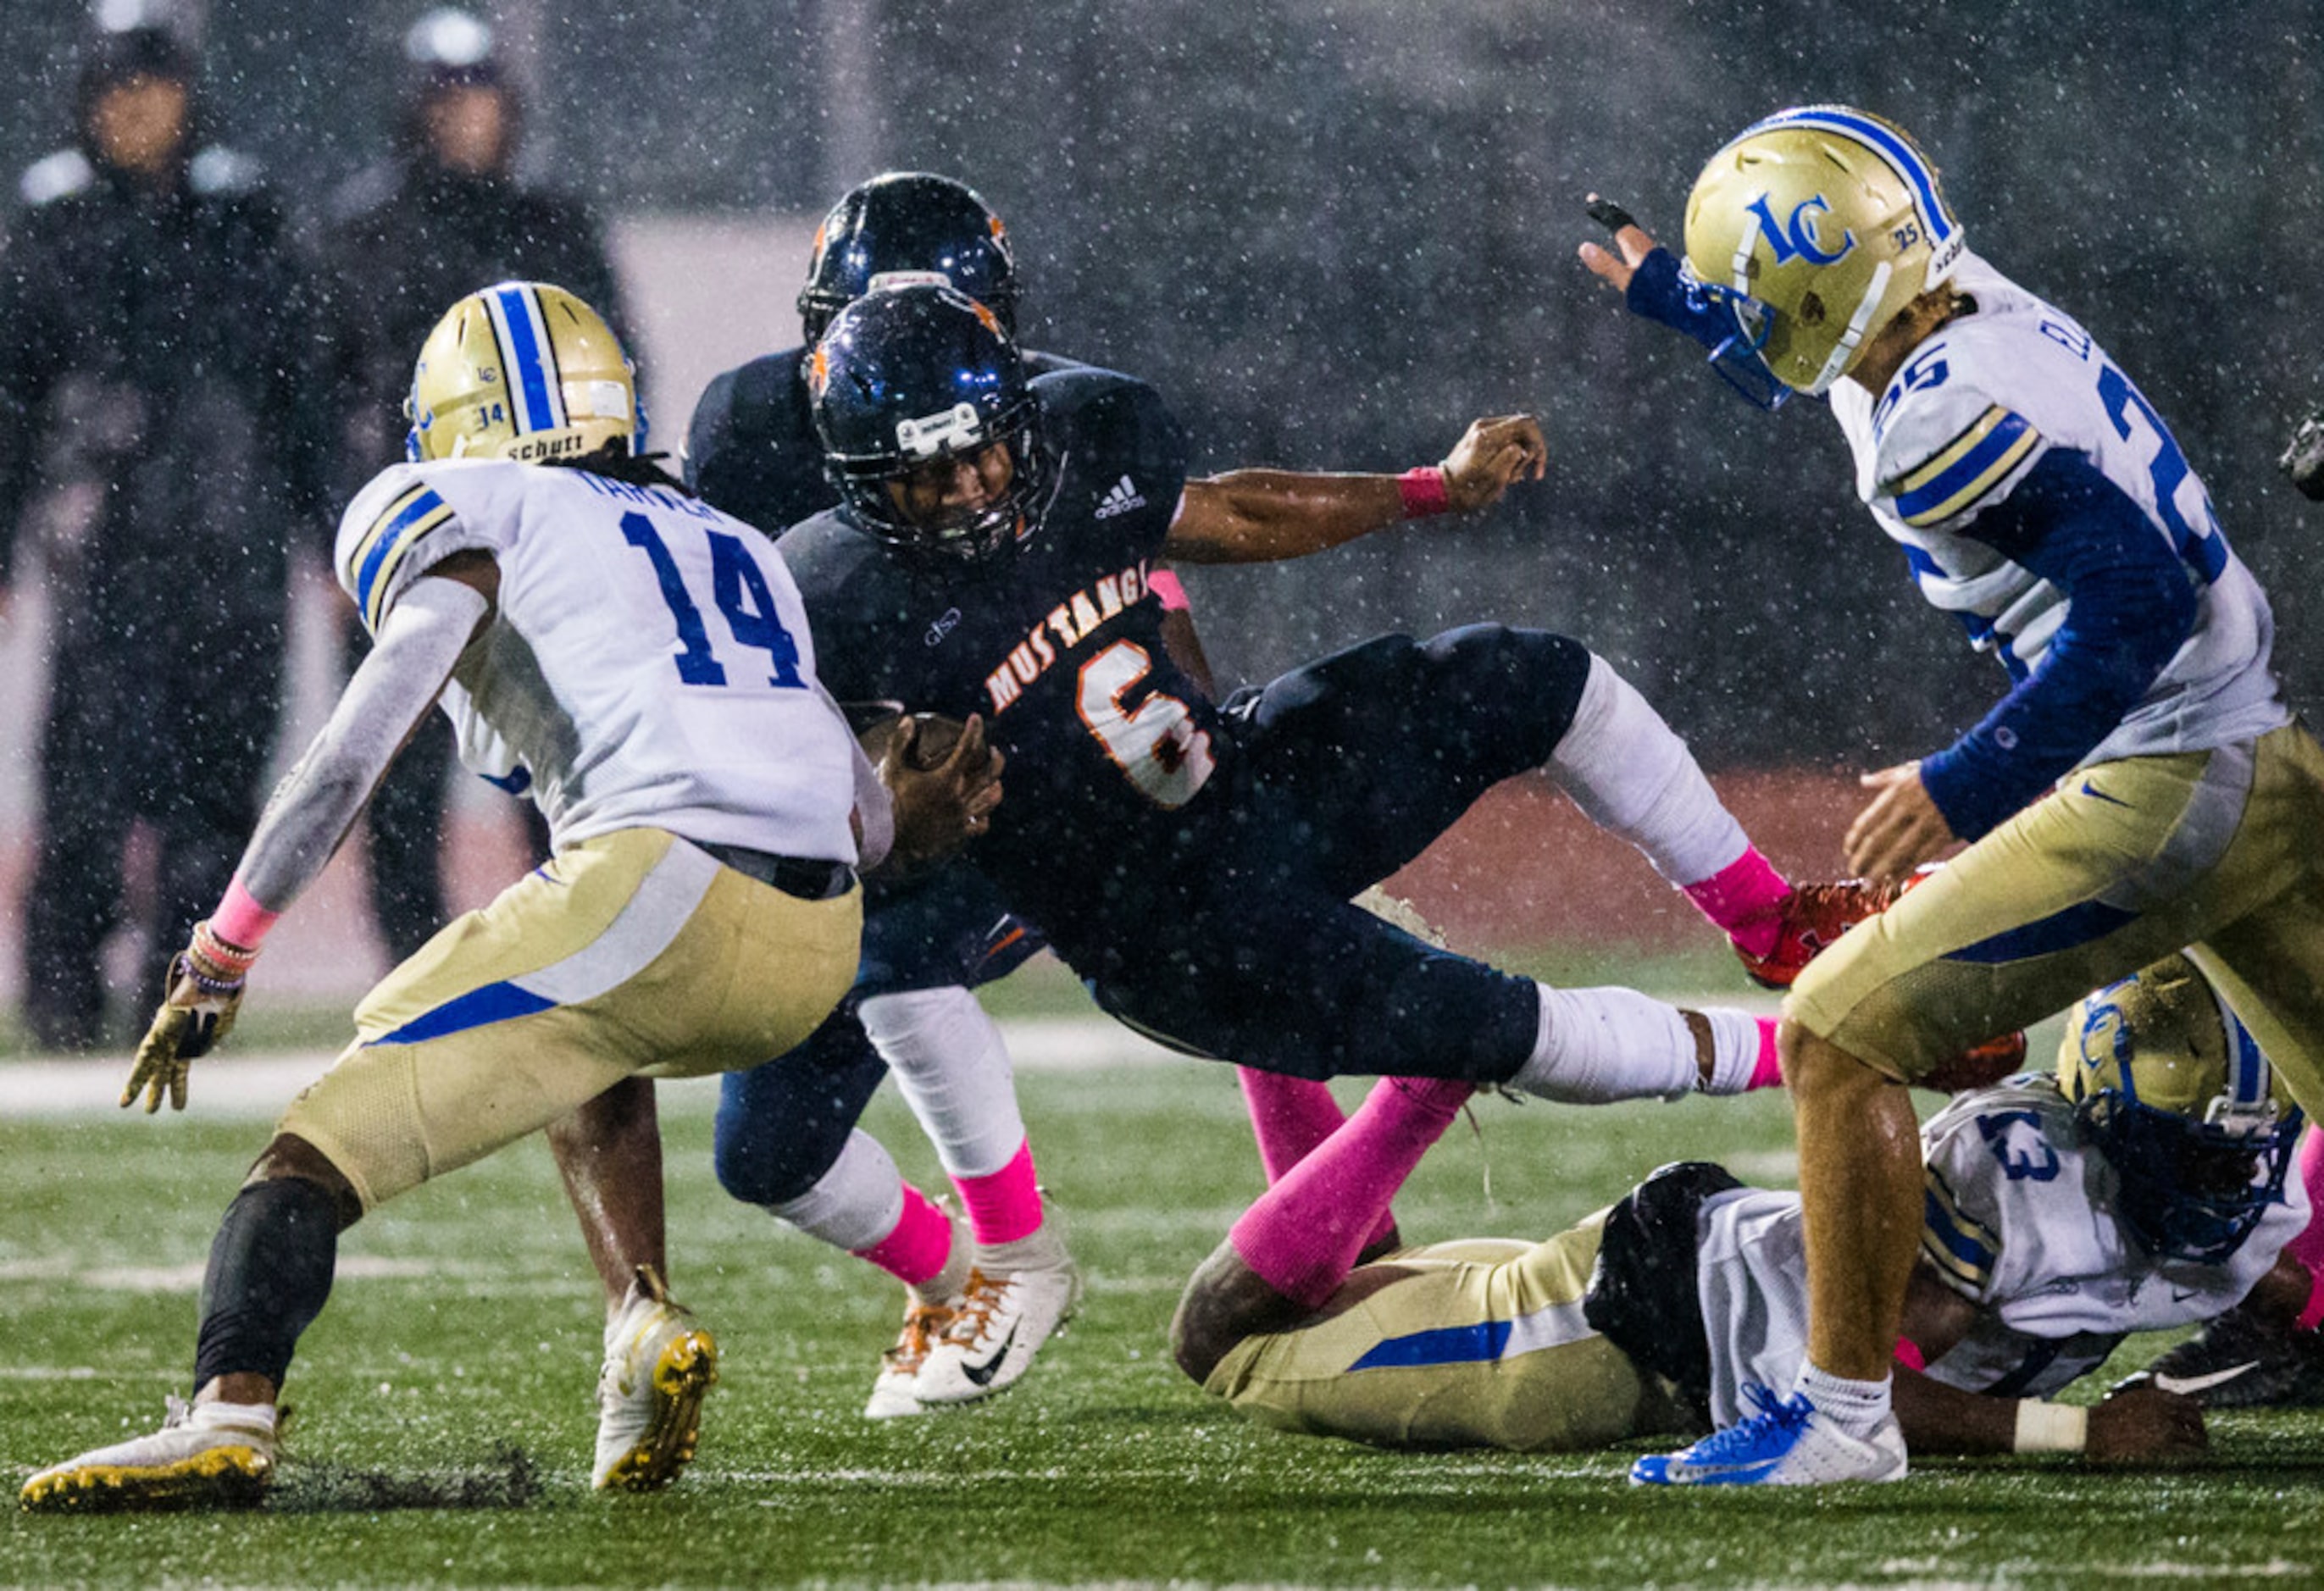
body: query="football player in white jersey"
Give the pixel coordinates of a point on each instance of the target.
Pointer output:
(2141, 1187)
(2141, 788)
(642, 662)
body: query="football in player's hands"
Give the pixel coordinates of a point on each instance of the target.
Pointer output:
(929, 739)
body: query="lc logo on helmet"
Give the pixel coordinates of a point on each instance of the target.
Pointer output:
(1797, 237)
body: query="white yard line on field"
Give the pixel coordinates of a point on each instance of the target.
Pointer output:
(230, 1085)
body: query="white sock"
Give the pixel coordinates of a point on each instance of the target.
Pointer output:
(220, 1415)
(1599, 1044)
(855, 1204)
(1632, 775)
(1734, 1048)
(1859, 1408)
(952, 1070)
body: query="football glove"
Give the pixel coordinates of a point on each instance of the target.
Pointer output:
(206, 984)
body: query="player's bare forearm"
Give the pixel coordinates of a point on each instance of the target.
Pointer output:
(1185, 645)
(1941, 1418)
(1260, 516)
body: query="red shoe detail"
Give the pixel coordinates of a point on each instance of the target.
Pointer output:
(1813, 919)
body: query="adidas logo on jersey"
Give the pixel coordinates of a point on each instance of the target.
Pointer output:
(1120, 498)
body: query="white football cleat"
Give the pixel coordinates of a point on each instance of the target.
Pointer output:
(895, 1391)
(205, 1456)
(1787, 1443)
(1004, 1318)
(660, 1364)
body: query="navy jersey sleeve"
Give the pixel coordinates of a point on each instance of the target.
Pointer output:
(1120, 455)
(751, 450)
(2130, 605)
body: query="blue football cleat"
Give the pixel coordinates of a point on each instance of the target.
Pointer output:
(1785, 1444)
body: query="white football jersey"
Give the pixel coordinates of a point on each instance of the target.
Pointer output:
(649, 663)
(1964, 420)
(2018, 1218)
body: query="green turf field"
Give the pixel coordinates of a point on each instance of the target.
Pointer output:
(456, 1361)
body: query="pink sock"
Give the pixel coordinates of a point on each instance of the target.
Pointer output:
(1768, 1071)
(918, 1246)
(1302, 1236)
(1289, 1116)
(1743, 898)
(2307, 1248)
(1006, 1205)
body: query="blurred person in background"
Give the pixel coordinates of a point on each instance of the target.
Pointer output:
(443, 215)
(158, 447)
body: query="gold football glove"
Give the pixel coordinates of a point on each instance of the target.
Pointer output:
(206, 983)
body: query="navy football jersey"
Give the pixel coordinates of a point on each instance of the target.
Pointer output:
(1057, 643)
(752, 451)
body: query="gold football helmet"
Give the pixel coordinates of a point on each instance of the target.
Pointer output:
(1815, 226)
(2181, 1100)
(523, 370)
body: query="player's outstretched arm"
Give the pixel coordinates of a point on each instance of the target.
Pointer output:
(1259, 515)
(2140, 1425)
(418, 643)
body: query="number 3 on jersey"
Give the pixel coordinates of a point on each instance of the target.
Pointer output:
(740, 591)
(1156, 743)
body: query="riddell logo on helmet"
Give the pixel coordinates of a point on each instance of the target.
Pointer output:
(1797, 237)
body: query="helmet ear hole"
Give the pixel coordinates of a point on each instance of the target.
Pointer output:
(1810, 310)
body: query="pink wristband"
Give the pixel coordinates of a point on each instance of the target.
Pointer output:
(1424, 492)
(1164, 585)
(1909, 1355)
(240, 920)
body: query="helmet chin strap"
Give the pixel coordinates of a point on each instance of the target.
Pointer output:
(1845, 349)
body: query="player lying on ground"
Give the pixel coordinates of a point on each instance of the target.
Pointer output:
(700, 912)
(2140, 1189)
(2141, 788)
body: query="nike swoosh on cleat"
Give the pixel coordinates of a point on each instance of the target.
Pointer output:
(982, 1374)
(2096, 793)
(2188, 1386)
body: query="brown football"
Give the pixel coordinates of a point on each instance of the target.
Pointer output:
(936, 738)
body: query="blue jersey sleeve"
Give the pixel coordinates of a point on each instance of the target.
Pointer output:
(1657, 292)
(2130, 605)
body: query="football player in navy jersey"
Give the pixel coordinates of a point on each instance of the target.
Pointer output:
(751, 450)
(991, 559)
(2142, 787)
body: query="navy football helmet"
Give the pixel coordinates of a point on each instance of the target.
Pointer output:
(2181, 1102)
(909, 227)
(908, 377)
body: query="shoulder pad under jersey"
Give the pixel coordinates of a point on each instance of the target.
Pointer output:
(1944, 444)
